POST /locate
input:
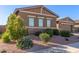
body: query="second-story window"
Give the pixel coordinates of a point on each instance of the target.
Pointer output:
(40, 23)
(31, 21)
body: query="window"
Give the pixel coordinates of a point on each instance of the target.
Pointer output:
(40, 23)
(48, 23)
(31, 21)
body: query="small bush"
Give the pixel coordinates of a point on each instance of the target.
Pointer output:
(65, 33)
(24, 43)
(1, 32)
(25, 32)
(37, 33)
(5, 37)
(0, 36)
(48, 31)
(3, 51)
(44, 37)
(71, 34)
(55, 32)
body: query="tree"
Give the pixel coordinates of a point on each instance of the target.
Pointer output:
(15, 27)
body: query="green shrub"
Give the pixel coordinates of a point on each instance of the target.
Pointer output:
(37, 33)
(55, 32)
(0, 36)
(48, 31)
(44, 37)
(3, 51)
(5, 37)
(65, 33)
(25, 32)
(71, 34)
(15, 27)
(24, 43)
(1, 32)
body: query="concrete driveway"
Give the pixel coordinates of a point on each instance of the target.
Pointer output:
(62, 46)
(70, 48)
(75, 45)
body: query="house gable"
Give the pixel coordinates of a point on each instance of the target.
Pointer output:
(37, 9)
(67, 21)
(31, 9)
(49, 12)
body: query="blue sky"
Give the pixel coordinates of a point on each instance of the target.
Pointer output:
(62, 10)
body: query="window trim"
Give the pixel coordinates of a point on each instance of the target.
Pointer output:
(41, 23)
(48, 23)
(31, 22)
(31, 16)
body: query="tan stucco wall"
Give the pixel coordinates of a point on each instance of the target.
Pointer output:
(24, 16)
(65, 27)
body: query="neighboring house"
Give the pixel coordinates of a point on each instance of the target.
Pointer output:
(65, 24)
(2, 28)
(76, 26)
(37, 17)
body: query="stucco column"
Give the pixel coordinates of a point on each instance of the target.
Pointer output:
(57, 25)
